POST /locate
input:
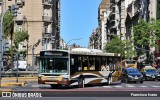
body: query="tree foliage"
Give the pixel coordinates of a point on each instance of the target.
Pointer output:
(146, 33)
(116, 46)
(8, 25)
(15, 37)
(20, 36)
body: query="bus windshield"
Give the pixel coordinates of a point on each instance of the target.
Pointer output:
(54, 65)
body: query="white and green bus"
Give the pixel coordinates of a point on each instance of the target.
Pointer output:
(78, 66)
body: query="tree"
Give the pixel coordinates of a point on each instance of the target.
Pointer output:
(116, 46)
(129, 49)
(145, 35)
(15, 37)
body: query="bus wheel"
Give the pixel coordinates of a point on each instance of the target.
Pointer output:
(54, 86)
(81, 83)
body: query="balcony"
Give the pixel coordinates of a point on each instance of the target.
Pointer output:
(113, 27)
(20, 2)
(47, 2)
(47, 30)
(112, 15)
(20, 18)
(46, 36)
(112, 21)
(47, 18)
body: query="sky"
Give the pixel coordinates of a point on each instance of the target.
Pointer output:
(78, 19)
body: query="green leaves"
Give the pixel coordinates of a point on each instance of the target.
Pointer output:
(146, 33)
(20, 36)
(8, 24)
(115, 46)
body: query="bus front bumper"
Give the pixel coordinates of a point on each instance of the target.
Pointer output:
(58, 82)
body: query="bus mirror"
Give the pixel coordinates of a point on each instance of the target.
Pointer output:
(72, 61)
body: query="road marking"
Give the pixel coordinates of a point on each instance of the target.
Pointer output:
(127, 85)
(35, 86)
(143, 86)
(154, 86)
(118, 86)
(107, 86)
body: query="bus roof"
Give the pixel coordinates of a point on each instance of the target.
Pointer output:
(85, 51)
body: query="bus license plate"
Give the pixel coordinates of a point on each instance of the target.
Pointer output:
(153, 76)
(51, 82)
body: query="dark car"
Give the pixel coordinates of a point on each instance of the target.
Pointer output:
(150, 73)
(158, 70)
(131, 75)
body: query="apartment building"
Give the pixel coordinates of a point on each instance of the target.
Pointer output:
(98, 36)
(114, 18)
(41, 18)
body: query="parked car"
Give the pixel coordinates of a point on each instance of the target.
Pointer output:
(131, 75)
(158, 70)
(150, 73)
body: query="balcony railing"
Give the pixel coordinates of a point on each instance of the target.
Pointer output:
(47, 2)
(20, 18)
(47, 18)
(47, 30)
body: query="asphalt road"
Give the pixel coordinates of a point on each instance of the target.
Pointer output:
(147, 89)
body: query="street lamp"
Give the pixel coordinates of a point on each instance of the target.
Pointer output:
(72, 40)
(27, 45)
(70, 51)
(33, 47)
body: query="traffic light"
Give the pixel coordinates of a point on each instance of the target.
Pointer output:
(6, 45)
(14, 10)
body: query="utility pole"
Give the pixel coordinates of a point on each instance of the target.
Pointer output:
(1, 42)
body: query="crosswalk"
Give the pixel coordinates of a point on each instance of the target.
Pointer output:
(132, 86)
(114, 86)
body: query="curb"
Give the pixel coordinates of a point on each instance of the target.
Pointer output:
(20, 78)
(13, 84)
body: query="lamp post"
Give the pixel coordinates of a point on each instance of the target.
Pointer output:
(1, 40)
(33, 48)
(69, 53)
(72, 40)
(27, 45)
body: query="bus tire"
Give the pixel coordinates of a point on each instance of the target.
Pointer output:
(53, 86)
(81, 83)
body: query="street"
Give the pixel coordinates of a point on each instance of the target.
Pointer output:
(146, 86)
(96, 92)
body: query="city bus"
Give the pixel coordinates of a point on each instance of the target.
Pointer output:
(78, 67)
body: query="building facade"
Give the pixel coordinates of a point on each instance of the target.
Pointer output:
(41, 18)
(98, 36)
